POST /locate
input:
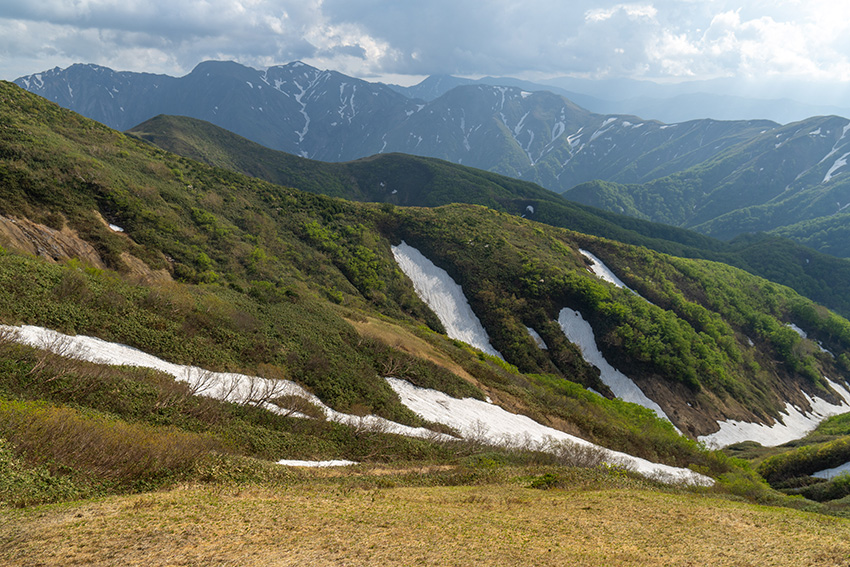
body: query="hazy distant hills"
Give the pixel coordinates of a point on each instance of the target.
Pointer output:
(718, 99)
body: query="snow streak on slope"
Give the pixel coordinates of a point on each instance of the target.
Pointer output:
(603, 272)
(538, 340)
(445, 298)
(490, 423)
(839, 163)
(795, 423)
(579, 331)
(228, 386)
(506, 427)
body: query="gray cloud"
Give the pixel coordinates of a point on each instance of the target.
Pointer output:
(649, 39)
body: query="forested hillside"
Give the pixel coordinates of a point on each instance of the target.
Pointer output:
(409, 180)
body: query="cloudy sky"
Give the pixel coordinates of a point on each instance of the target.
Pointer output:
(404, 40)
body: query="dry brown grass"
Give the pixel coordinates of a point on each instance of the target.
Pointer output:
(402, 339)
(334, 524)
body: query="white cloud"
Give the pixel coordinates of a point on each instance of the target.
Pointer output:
(632, 11)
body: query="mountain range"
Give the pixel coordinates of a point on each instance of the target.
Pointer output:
(401, 179)
(723, 178)
(719, 99)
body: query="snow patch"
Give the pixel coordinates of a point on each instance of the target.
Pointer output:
(601, 271)
(794, 425)
(601, 131)
(227, 386)
(488, 422)
(580, 332)
(557, 130)
(833, 472)
(839, 163)
(571, 139)
(336, 463)
(798, 330)
(537, 339)
(115, 228)
(440, 292)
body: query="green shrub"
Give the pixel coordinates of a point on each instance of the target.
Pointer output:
(131, 455)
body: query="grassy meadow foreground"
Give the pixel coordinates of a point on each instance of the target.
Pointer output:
(419, 516)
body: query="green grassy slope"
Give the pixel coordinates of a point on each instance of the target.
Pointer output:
(272, 280)
(410, 180)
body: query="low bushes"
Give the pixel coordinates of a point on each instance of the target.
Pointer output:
(805, 460)
(126, 454)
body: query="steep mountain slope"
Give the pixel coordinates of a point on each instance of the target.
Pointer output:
(794, 176)
(294, 107)
(712, 344)
(407, 180)
(539, 136)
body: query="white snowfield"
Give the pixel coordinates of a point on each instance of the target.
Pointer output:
(580, 332)
(228, 386)
(472, 417)
(445, 298)
(603, 272)
(487, 422)
(795, 423)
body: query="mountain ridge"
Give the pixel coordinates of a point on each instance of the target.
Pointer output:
(538, 136)
(388, 178)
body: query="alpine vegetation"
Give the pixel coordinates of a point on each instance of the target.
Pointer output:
(242, 323)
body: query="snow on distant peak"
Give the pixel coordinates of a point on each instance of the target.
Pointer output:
(445, 297)
(580, 332)
(839, 163)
